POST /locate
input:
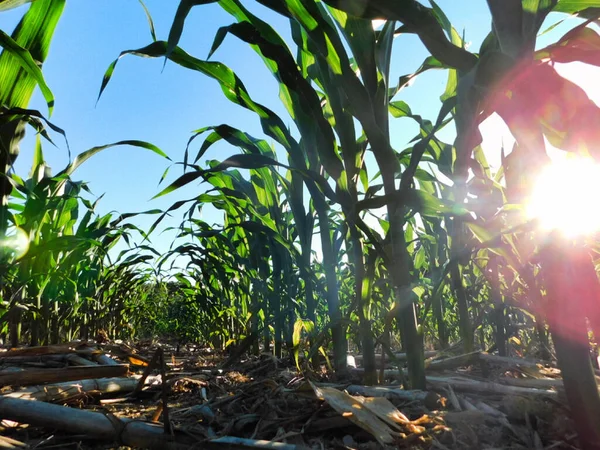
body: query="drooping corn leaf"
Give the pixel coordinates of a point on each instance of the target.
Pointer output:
(149, 18)
(5, 5)
(589, 9)
(581, 44)
(84, 156)
(417, 19)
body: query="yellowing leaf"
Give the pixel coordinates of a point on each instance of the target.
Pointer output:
(355, 411)
(136, 361)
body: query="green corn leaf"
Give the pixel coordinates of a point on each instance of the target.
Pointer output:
(57, 244)
(183, 180)
(175, 206)
(581, 44)
(5, 5)
(26, 62)
(507, 17)
(246, 161)
(27, 114)
(360, 36)
(298, 326)
(428, 205)
(324, 353)
(84, 156)
(534, 14)
(441, 18)
(588, 9)
(284, 67)
(38, 158)
(125, 216)
(24, 50)
(231, 85)
(418, 19)
(400, 109)
(181, 14)
(218, 40)
(150, 21)
(482, 233)
(234, 137)
(492, 241)
(428, 64)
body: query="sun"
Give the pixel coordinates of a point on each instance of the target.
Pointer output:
(562, 197)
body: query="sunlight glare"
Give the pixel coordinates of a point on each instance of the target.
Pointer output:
(561, 197)
(378, 23)
(583, 75)
(15, 244)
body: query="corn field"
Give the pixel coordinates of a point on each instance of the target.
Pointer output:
(333, 240)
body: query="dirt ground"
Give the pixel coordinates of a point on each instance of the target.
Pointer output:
(473, 402)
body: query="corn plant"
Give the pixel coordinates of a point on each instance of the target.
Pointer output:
(20, 71)
(314, 86)
(483, 82)
(63, 277)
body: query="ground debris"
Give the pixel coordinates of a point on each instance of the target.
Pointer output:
(263, 400)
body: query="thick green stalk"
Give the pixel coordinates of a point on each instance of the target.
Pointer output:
(407, 317)
(465, 121)
(15, 326)
(54, 330)
(366, 334)
(580, 383)
(438, 301)
(290, 316)
(12, 133)
(563, 276)
(377, 132)
(254, 332)
(401, 264)
(535, 295)
(499, 320)
(438, 312)
(338, 335)
(401, 261)
(278, 316)
(385, 344)
(84, 325)
(542, 338)
(266, 330)
(309, 298)
(464, 321)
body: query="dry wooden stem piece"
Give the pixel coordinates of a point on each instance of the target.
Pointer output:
(41, 376)
(484, 387)
(64, 391)
(127, 432)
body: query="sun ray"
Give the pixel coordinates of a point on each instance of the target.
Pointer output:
(561, 197)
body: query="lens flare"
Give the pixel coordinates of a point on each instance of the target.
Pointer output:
(14, 245)
(563, 197)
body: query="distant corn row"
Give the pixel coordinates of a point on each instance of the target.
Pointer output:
(57, 280)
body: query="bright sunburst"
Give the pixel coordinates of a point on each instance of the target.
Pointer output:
(562, 198)
(15, 244)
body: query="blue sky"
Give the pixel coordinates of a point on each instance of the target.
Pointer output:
(163, 107)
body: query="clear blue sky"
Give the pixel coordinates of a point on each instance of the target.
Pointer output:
(163, 107)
